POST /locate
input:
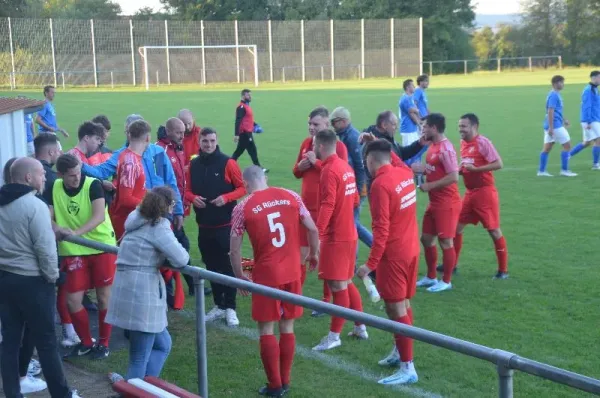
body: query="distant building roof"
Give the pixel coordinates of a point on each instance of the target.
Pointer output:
(29, 105)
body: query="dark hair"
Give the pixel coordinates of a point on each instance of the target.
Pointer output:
(103, 120)
(245, 91)
(6, 171)
(381, 149)
(91, 129)
(326, 137)
(155, 204)
(319, 111)
(42, 141)
(207, 131)
(47, 89)
(66, 162)
(472, 118)
(422, 78)
(557, 79)
(407, 83)
(138, 129)
(595, 73)
(436, 120)
(383, 117)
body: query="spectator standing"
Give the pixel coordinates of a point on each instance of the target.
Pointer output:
(191, 137)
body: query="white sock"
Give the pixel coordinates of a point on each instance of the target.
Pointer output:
(334, 336)
(69, 330)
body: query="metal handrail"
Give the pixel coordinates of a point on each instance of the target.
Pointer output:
(505, 361)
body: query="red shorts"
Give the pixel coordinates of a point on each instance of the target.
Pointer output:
(267, 309)
(441, 222)
(89, 272)
(337, 260)
(481, 206)
(304, 231)
(396, 278)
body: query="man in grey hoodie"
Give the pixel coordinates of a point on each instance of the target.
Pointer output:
(28, 272)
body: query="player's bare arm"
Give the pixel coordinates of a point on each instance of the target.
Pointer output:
(497, 165)
(448, 179)
(550, 121)
(313, 243)
(98, 214)
(414, 115)
(39, 121)
(59, 231)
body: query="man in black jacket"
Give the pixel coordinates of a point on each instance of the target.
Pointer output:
(47, 151)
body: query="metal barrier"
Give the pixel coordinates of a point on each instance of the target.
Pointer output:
(505, 361)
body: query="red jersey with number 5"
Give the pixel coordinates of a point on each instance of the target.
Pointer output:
(441, 160)
(272, 218)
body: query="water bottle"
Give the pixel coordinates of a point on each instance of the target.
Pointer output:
(371, 289)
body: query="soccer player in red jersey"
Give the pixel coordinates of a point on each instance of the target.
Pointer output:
(91, 136)
(441, 217)
(130, 180)
(338, 197)
(273, 218)
(395, 251)
(479, 159)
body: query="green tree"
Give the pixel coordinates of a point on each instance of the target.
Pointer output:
(483, 43)
(543, 25)
(80, 9)
(12, 8)
(503, 45)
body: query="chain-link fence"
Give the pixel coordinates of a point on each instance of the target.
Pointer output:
(36, 52)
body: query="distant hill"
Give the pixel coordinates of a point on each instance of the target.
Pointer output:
(482, 20)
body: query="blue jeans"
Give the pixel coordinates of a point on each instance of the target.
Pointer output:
(364, 234)
(148, 353)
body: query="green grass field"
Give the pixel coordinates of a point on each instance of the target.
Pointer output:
(545, 311)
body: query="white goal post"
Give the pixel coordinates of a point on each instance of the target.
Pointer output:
(251, 48)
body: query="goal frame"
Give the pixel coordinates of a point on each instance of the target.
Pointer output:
(250, 47)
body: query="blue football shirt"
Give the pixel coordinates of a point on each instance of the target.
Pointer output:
(48, 116)
(407, 125)
(29, 127)
(420, 98)
(554, 101)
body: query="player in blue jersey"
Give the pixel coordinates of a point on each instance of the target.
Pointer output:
(420, 97)
(46, 118)
(555, 130)
(590, 119)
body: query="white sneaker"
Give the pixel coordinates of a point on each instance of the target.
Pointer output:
(231, 318)
(30, 384)
(440, 287)
(596, 166)
(214, 314)
(69, 340)
(75, 394)
(567, 173)
(405, 375)
(393, 359)
(328, 342)
(34, 368)
(426, 282)
(360, 332)
(544, 174)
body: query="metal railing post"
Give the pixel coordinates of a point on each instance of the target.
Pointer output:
(505, 373)
(201, 337)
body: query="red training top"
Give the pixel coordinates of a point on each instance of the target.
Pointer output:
(479, 152)
(176, 155)
(440, 161)
(191, 145)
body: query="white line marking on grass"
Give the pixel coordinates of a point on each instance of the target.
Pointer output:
(327, 360)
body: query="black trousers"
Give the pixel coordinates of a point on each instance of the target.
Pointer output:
(185, 242)
(26, 351)
(29, 300)
(214, 248)
(246, 143)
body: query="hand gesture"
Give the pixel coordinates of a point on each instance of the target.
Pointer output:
(425, 187)
(362, 271)
(311, 157)
(312, 260)
(178, 222)
(469, 167)
(199, 202)
(64, 133)
(551, 132)
(365, 137)
(219, 202)
(304, 164)
(418, 168)
(243, 277)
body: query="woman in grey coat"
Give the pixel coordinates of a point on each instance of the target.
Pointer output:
(138, 300)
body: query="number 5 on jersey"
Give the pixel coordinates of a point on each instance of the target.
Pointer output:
(276, 227)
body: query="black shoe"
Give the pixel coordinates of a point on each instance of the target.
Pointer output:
(88, 304)
(79, 350)
(207, 291)
(100, 352)
(440, 268)
(273, 392)
(501, 275)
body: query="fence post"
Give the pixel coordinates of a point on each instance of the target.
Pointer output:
(322, 73)
(392, 46)
(302, 50)
(203, 55)
(201, 338)
(62, 75)
(270, 51)
(243, 75)
(132, 51)
(332, 50)
(168, 54)
(283, 74)
(499, 65)
(430, 68)
(530, 65)
(362, 48)
(560, 62)
(505, 374)
(53, 55)
(465, 66)
(421, 46)
(146, 77)
(13, 81)
(157, 82)
(112, 80)
(237, 50)
(255, 53)
(94, 53)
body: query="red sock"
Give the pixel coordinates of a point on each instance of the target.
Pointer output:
(104, 328)
(458, 240)
(287, 349)
(342, 299)
(431, 260)
(404, 344)
(355, 300)
(501, 254)
(61, 306)
(81, 323)
(449, 261)
(326, 292)
(410, 315)
(269, 353)
(302, 273)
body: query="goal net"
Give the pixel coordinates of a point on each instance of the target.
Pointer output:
(163, 65)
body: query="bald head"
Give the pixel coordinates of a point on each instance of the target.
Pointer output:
(187, 117)
(175, 130)
(254, 179)
(28, 171)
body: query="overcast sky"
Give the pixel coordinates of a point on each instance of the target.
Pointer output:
(483, 6)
